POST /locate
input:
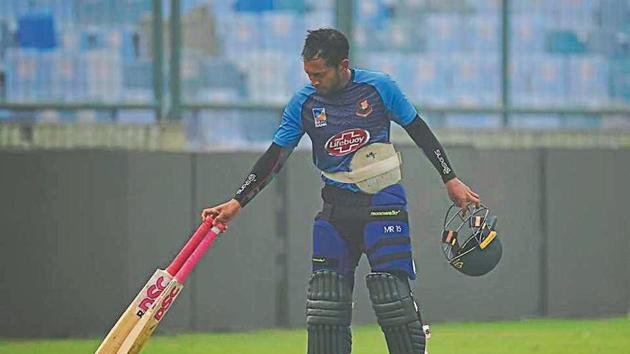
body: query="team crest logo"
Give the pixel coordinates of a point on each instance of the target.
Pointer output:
(319, 116)
(364, 108)
(346, 142)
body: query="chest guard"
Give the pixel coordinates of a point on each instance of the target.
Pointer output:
(372, 168)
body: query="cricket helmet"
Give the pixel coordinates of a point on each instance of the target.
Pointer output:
(469, 239)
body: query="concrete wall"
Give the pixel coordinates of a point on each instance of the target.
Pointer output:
(82, 231)
(588, 233)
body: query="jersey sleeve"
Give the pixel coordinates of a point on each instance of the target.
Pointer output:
(402, 111)
(290, 130)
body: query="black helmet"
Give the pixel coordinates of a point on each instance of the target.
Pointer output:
(469, 239)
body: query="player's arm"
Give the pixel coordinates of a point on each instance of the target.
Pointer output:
(422, 135)
(405, 114)
(267, 167)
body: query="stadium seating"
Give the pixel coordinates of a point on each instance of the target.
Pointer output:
(563, 52)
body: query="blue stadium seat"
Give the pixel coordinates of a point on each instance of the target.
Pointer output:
(445, 33)
(320, 17)
(476, 79)
(482, 33)
(620, 80)
(473, 121)
(138, 80)
(6, 115)
(527, 33)
(298, 6)
(582, 122)
(539, 80)
(240, 33)
(270, 75)
(22, 74)
(36, 30)
(130, 11)
(564, 42)
(614, 43)
(253, 5)
(485, 7)
(90, 50)
(108, 12)
(615, 14)
(190, 73)
(103, 75)
(433, 79)
(222, 81)
(219, 128)
(372, 14)
(281, 30)
(69, 76)
(136, 116)
(123, 40)
(56, 116)
(535, 121)
(94, 116)
(588, 80)
(396, 65)
(6, 37)
(259, 126)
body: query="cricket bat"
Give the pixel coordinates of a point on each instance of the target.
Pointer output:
(143, 330)
(150, 293)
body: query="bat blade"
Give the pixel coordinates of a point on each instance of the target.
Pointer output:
(143, 330)
(145, 300)
(139, 307)
(140, 334)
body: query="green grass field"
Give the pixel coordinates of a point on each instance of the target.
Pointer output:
(611, 336)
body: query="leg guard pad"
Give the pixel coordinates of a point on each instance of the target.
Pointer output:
(396, 313)
(328, 314)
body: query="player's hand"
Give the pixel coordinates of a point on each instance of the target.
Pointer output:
(461, 194)
(223, 213)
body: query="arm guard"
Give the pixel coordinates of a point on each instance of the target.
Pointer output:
(422, 135)
(267, 166)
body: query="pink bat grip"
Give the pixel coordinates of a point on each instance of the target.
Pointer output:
(190, 246)
(195, 257)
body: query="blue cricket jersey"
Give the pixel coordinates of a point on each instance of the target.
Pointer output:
(341, 123)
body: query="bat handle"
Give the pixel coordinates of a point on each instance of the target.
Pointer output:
(196, 255)
(190, 246)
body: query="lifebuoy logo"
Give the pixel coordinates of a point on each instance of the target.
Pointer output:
(346, 142)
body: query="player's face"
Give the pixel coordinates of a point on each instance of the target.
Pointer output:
(324, 78)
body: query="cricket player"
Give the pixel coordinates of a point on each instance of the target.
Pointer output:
(347, 114)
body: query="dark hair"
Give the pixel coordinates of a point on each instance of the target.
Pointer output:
(326, 43)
